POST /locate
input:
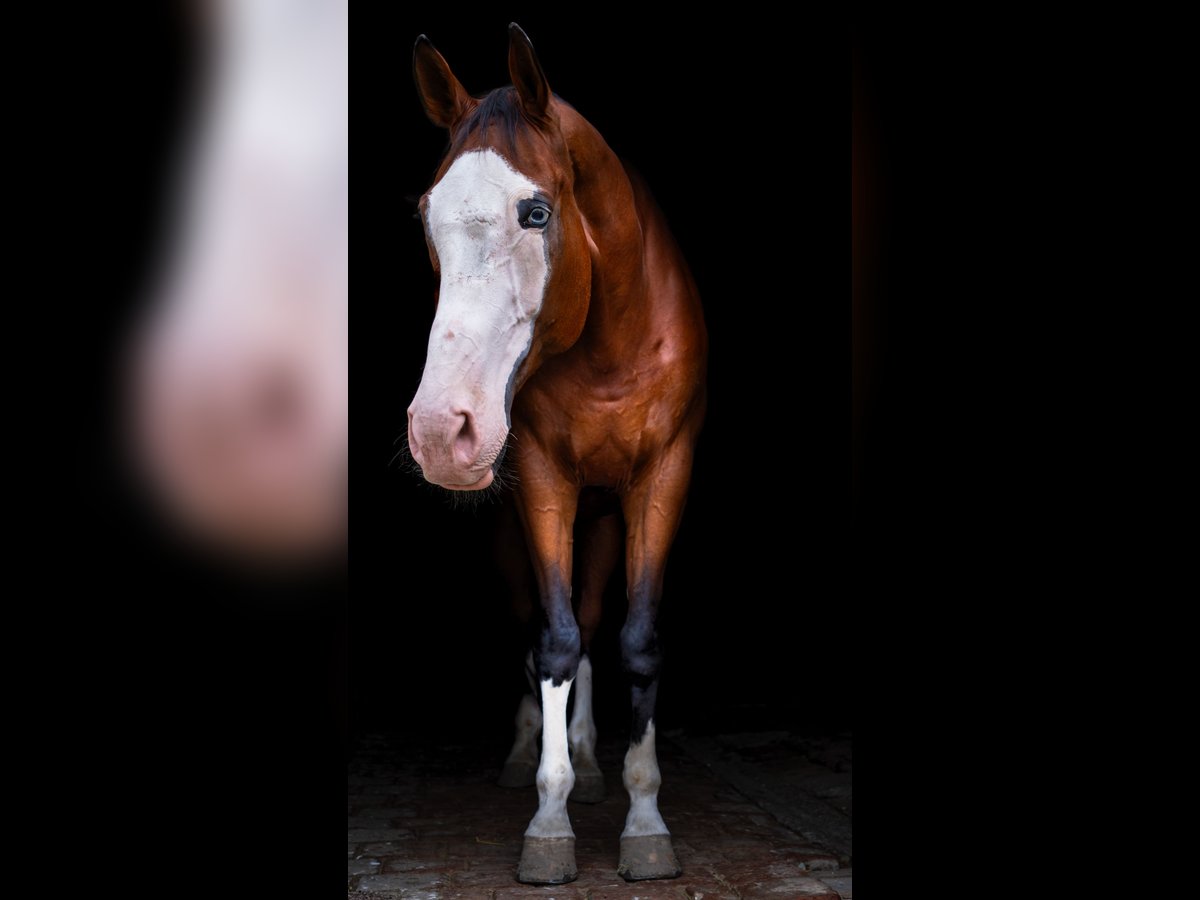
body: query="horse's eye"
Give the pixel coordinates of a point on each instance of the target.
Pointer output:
(532, 214)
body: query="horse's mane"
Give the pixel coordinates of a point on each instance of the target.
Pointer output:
(497, 120)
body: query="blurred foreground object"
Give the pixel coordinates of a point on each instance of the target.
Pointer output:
(240, 367)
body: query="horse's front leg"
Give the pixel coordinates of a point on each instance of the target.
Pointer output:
(597, 552)
(547, 504)
(653, 507)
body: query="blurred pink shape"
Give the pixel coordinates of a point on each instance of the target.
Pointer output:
(241, 367)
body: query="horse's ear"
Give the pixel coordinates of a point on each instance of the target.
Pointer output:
(445, 100)
(526, 73)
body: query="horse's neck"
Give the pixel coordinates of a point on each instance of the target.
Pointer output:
(607, 200)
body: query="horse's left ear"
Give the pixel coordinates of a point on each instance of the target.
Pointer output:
(526, 73)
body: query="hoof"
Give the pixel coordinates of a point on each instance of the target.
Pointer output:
(518, 774)
(547, 861)
(648, 856)
(589, 787)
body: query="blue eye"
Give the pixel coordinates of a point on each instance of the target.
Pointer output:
(533, 213)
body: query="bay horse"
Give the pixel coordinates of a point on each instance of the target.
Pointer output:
(567, 319)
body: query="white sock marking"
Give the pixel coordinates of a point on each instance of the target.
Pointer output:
(555, 777)
(582, 732)
(642, 779)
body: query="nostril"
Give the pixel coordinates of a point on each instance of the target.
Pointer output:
(466, 442)
(278, 404)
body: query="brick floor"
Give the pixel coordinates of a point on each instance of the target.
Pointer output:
(428, 822)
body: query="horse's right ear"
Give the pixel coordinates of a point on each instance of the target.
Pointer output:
(445, 100)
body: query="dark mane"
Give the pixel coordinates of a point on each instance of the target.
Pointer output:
(496, 119)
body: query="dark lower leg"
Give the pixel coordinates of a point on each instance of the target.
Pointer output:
(645, 842)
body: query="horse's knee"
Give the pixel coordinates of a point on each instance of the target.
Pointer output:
(640, 655)
(559, 650)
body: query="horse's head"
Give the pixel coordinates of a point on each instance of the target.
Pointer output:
(508, 242)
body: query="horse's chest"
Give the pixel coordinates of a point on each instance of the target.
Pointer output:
(605, 432)
(603, 439)
(611, 437)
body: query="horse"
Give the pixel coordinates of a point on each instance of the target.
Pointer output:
(568, 349)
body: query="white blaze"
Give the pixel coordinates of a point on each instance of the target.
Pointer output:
(493, 277)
